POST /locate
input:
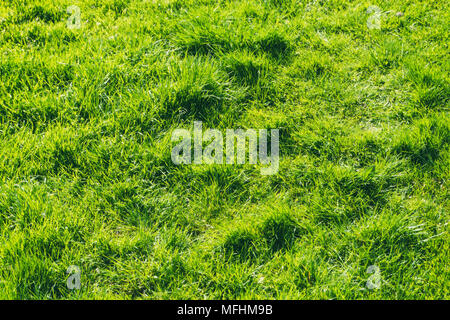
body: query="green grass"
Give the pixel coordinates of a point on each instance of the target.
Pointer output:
(86, 177)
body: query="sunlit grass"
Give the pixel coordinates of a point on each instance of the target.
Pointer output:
(86, 176)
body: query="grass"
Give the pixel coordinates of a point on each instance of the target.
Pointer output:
(86, 177)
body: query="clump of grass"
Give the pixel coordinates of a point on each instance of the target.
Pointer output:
(241, 243)
(273, 43)
(425, 142)
(431, 89)
(246, 68)
(197, 90)
(47, 14)
(280, 231)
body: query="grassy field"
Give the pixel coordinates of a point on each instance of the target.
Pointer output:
(86, 176)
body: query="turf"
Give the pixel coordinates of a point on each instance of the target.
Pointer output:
(86, 177)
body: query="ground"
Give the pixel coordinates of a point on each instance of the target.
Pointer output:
(357, 210)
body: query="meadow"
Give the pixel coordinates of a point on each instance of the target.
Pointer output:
(359, 207)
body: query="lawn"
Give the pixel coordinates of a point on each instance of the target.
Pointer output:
(91, 92)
